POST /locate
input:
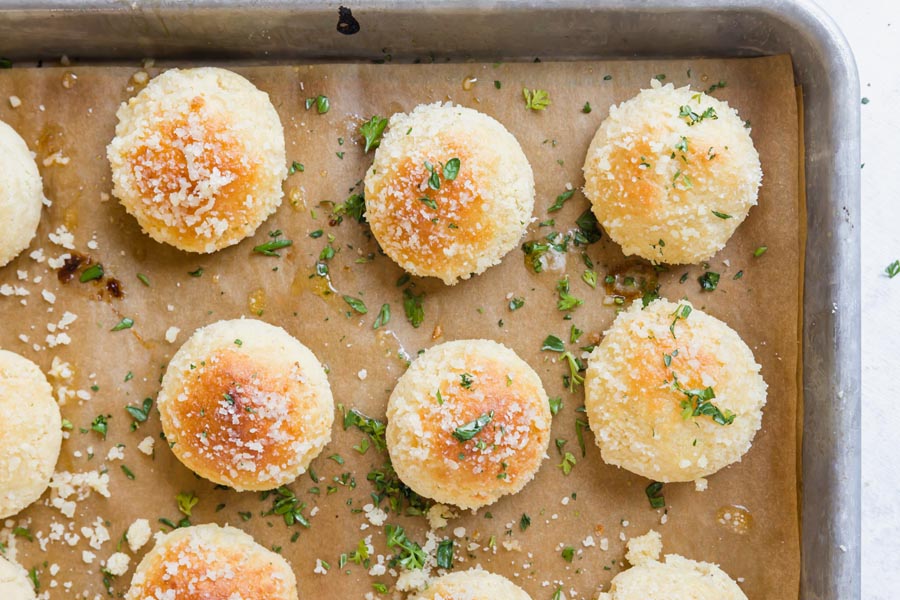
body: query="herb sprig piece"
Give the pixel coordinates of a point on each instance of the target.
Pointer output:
(466, 432)
(373, 130)
(271, 248)
(536, 99)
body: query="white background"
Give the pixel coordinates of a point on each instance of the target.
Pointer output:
(873, 29)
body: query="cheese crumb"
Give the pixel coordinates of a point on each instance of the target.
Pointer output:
(172, 334)
(138, 534)
(701, 484)
(117, 564)
(15, 102)
(146, 445)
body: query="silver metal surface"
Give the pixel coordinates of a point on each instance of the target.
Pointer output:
(262, 30)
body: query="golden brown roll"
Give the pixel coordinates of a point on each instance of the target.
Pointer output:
(672, 393)
(21, 195)
(449, 193)
(198, 158)
(246, 405)
(30, 433)
(473, 584)
(207, 561)
(671, 173)
(468, 423)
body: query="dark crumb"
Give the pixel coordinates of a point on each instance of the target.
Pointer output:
(347, 23)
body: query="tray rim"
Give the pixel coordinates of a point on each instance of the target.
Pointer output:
(831, 443)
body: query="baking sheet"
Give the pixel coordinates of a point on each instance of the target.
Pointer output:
(763, 306)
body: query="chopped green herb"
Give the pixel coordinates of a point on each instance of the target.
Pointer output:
(372, 130)
(568, 462)
(716, 86)
(128, 473)
(466, 432)
(277, 243)
(561, 200)
(699, 403)
(466, 380)
(553, 343)
(186, 502)
(142, 413)
(144, 279)
(286, 504)
(516, 303)
(536, 99)
(708, 281)
(322, 104)
(384, 316)
(413, 307)
(451, 169)
(586, 108)
(568, 553)
(738, 275)
(683, 311)
(91, 273)
(721, 215)
(893, 269)
(296, 167)
(429, 202)
(32, 573)
(566, 301)
(574, 377)
(588, 227)
(101, 425)
(590, 278)
(760, 251)
(374, 428)
(556, 404)
(497, 84)
(580, 427)
(410, 554)
(125, 323)
(445, 554)
(693, 118)
(354, 206)
(434, 180)
(356, 304)
(682, 144)
(23, 532)
(654, 495)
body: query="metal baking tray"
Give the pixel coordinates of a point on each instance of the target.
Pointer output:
(269, 30)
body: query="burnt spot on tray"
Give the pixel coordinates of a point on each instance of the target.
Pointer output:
(114, 287)
(347, 23)
(66, 273)
(107, 288)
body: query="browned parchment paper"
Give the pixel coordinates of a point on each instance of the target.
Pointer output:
(604, 502)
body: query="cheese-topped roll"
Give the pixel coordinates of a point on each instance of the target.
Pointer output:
(30, 433)
(21, 195)
(674, 577)
(246, 405)
(671, 173)
(672, 393)
(207, 561)
(473, 584)
(198, 158)
(449, 193)
(14, 584)
(468, 422)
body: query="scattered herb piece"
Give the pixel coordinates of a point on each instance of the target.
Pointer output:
(708, 281)
(372, 130)
(568, 553)
(91, 273)
(536, 99)
(451, 169)
(271, 248)
(497, 84)
(588, 227)
(561, 200)
(654, 495)
(288, 506)
(410, 554)
(374, 428)
(384, 316)
(354, 206)
(101, 425)
(466, 381)
(466, 432)
(323, 105)
(140, 413)
(429, 202)
(760, 251)
(524, 522)
(556, 404)
(721, 215)
(516, 303)
(568, 462)
(296, 167)
(586, 108)
(356, 304)
(413, 307)
(566, 301)
(893, 269)
(574, 377)
(716, 86)
(445, 554)
(699, 403)
(683, 311)
(128, 472)
(144, 279)
(580, 427)
(23, 532)
(553, 343)
(186, 502)
(590, 278)
(125, 323)
(434, 180)
(693, 118)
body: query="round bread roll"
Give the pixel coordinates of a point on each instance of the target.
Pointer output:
(21, 195)
(14, 584)
(198, 158)
(473, 584)
(476, 215)
(30, 433)
(208, 561)
(671, 174)
(672, 393)
(677, 577)
(246, 405)
(468, 422)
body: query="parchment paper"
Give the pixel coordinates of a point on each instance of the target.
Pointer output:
(603, 501)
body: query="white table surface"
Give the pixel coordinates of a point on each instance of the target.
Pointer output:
(873, 29)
